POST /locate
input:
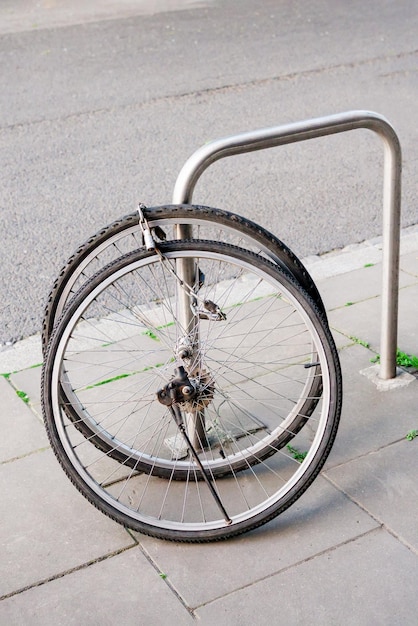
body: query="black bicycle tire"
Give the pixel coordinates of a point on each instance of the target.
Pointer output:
(264, 516)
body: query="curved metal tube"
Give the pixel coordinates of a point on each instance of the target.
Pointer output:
(311, 129)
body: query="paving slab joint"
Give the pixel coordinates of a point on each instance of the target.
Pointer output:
(165, 578)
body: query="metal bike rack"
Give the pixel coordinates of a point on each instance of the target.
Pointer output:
(311, 129)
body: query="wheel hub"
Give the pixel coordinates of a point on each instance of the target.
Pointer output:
(192, 393)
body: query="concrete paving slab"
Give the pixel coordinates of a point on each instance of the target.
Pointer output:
(29, 381)
(322, 518)
(351, 321)
(356, 286)
(22, 354)
(346, 290)
(409, 241)
(47, 526)
(21, 432)
(370, 419)
(349, 585)
(340, 262)
(362, 320)
(384, 483)
(409, 263)
(408, 326)
(124, 589)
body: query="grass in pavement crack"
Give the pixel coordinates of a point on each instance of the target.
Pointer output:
(120, 376)
(402, 358)
(297, 455)
(360, 342)
(22, 395)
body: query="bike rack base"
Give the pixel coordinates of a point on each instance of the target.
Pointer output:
(403, 379)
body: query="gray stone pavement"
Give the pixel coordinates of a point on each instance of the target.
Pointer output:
(345, 553)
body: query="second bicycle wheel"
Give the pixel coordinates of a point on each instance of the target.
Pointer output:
(261, 341)
(124, 235)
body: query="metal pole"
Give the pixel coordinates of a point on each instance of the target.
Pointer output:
(311, 129)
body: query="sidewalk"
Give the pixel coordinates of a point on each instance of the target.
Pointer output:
(345, 553)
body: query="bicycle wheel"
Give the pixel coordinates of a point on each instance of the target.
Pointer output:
(124, 235)
(115, 354)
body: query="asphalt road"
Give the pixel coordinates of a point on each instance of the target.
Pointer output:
(101, 105)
